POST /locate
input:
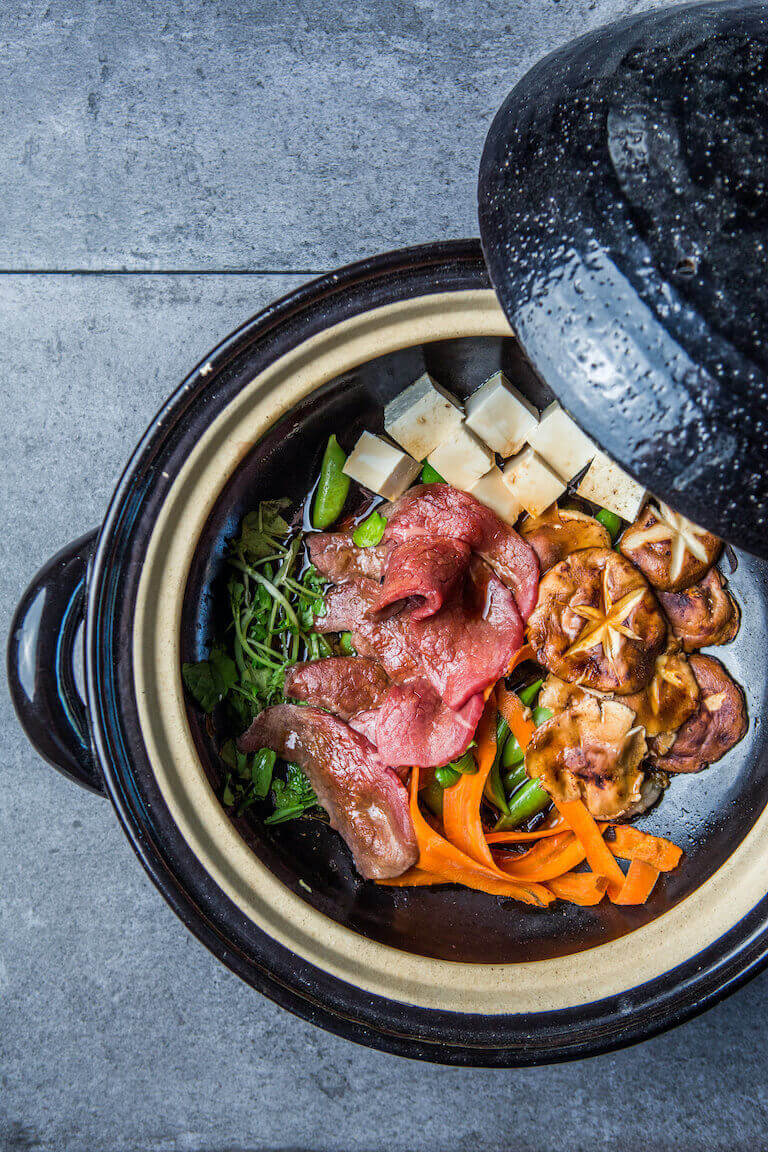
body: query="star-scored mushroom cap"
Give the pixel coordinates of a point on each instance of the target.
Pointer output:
(671, 551)
(560, 531)
(670, 698)
(719, 722)
(704, 614)
(592, 752)
(597, 623)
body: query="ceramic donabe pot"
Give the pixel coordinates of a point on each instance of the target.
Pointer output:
(442, 974)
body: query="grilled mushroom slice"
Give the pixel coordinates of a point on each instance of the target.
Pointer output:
(593, 752)
(704, 614)
(672, 552)
(597, 623)
(560, 531)
(671, 697)
(718, 724)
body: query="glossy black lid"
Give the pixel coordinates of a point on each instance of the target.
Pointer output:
(624, 222)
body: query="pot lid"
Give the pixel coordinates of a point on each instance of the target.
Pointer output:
(624, 221)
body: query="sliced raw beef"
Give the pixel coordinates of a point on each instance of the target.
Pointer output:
(344, 685)
(469, 643)
(408, 723)
(414, 726)
(365, 800)
(442, 510)
(336, 556)
(421, 574)
(461, 650)
(347, 608)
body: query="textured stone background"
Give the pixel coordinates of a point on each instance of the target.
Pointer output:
(141, 138)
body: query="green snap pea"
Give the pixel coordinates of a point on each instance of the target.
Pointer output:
(332, 487)
(430, 475)
(370, 531)
(432, 796)
(610, 521)
(494, 789)
(514, 779)
(528, 694)
(512, 754)
(465, 764)
(346, 645)
(540, 714)
(527, 802)
(447, 777)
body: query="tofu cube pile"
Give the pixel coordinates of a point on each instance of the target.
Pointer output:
(540, 454)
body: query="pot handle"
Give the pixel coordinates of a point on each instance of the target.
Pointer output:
(41, 664)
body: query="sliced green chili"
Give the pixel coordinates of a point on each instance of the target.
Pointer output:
(494, 789)
(332, 487)
(526, 803)
(432, 796)
(513, 753)
(539, 714)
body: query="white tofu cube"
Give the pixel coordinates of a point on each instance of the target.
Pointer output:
(380, 466)
(463, 459)
(607, 484)
(493, 491)
(533, 483)
(561, 443)
(422, 417)
(500, 415)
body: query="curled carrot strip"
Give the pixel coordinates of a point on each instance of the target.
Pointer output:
(599, 857)
(461, 802)
(522, 654)
(632, 844)
(546, 860)
(516, 715)
(521, 837)
(639, 883)
(582, 888)
(443, 859)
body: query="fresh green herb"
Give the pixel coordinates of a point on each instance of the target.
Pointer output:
(210, 680)
(370, 531)
(273, 603)
(610, 521)
(430, 475)
(292, 797)
(332, 487)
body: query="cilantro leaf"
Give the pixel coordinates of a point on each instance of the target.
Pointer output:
(209, 681)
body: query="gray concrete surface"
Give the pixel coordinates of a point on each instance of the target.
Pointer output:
(221, 135)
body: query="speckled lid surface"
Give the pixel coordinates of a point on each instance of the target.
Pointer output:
(624, 221)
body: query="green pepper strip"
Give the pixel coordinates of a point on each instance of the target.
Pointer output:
(527, 802)
(332, 487)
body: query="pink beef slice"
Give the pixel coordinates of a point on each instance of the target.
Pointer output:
(414, 727)
(422, 573)
(344, 685)
(367, 804)
(336, 556)
(460, 650)
(442, 510)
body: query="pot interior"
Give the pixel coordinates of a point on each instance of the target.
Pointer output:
(708, 814)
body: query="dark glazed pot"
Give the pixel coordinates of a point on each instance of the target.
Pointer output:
(446, 975)
(624, 222)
